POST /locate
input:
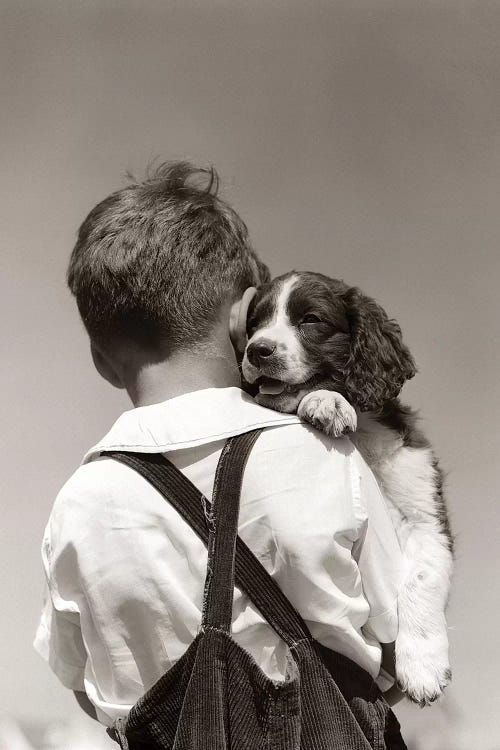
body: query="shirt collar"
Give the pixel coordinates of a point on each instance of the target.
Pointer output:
(187, 421)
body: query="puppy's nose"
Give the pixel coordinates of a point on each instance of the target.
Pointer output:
(259, 350)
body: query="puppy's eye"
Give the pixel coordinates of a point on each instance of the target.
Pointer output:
(310, 318)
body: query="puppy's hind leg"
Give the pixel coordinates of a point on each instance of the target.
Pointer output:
(411, 480)
(422, 664)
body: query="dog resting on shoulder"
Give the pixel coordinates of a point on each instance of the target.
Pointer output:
(328, 352)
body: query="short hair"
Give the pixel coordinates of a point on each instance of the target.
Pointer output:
(155, 261)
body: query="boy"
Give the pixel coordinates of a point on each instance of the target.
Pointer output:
(162, 272)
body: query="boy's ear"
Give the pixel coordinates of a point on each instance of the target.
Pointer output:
(238, 319)
(105, 368)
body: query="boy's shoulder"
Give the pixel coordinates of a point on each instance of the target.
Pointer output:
(300, 435)
(99, 479)
(291, 450)
(92, 488)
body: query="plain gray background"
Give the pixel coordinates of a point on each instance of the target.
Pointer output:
(360, 139)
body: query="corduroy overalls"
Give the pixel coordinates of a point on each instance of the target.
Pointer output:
(216, 697)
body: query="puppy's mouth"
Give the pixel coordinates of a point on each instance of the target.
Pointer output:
(274, 387)
(270, 386)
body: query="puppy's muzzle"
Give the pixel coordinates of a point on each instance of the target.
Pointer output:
(260, 350)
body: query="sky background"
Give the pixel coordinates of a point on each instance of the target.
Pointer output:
(360, 139)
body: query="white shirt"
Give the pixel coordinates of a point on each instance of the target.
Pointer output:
(126, 573)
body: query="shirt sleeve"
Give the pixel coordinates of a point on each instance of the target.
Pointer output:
(378, 554)
(58, 638)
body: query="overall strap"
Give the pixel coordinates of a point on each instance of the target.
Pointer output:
(223, 532)
(250, 574)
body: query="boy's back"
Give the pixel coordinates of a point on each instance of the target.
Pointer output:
(126, 573)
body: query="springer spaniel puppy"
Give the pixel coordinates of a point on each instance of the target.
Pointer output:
(326, 351)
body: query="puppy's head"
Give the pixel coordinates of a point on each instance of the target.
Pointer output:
(305, 328)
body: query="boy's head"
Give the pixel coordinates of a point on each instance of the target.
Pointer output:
(155, 262)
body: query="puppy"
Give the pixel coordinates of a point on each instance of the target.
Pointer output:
(328, 352)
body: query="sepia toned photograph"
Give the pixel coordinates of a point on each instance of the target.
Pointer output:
(250, 272)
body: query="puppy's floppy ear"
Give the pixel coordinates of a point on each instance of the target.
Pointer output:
(379, 363)
(238, 319)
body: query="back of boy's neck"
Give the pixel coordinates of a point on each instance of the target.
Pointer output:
(183, 373)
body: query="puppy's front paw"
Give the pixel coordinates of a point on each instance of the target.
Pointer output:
(329, 412)
(422, 668)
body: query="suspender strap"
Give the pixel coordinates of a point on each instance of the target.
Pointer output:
(223, 531)
(250, 574)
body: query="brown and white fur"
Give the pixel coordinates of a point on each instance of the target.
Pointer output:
(328, 352)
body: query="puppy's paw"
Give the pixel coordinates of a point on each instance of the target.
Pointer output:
(329, 412)
(422, 667)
